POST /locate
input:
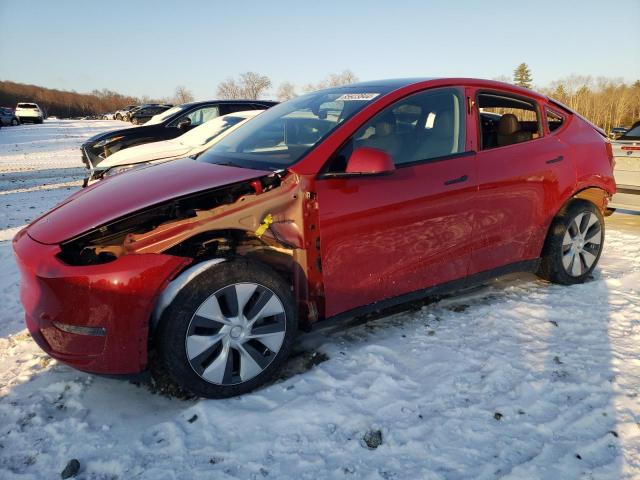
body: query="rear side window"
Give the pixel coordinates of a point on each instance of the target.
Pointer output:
(506, 120)
(554, 120)
(199, 116)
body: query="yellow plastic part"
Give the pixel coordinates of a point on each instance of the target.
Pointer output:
(268, 220)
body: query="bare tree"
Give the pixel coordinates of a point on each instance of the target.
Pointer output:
(229, 89)
(182, 95)
(286, 91)
(333, 80)
(250, 85)
(254, 84)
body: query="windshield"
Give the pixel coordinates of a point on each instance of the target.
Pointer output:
(632, 134)
(283, 134)
(209, 130)
(161, 117)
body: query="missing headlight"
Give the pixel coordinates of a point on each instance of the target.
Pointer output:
(106, 243)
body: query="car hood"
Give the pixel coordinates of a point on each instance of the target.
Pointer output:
(132, 191)
(145, 153)
(113, 133)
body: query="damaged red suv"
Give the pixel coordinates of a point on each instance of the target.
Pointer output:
(327, 206)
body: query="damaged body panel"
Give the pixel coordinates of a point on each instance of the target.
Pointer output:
(113, 304)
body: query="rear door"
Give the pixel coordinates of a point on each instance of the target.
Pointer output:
(385, 236)
(524, 172)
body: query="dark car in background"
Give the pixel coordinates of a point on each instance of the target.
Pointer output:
(144, 114)
(167, 125)
(8, 117)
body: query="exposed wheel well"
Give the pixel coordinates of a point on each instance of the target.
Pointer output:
(233, 243)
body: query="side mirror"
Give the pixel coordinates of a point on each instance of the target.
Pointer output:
(370, 161)
(184, 124)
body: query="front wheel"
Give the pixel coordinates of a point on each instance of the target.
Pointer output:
(574, 244)
(229, 330)
(14, 122)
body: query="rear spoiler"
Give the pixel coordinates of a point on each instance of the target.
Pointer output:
(572, 112)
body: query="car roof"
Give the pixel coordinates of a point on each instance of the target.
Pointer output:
(249, 102)
(398, 83)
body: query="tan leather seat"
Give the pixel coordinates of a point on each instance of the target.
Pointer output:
(385, 137)
(439, 141)
(509, 131)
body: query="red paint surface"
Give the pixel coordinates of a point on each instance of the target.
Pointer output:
(367, 238)
(118, 296)
(370, 160)
(123, 194)
(393, 234)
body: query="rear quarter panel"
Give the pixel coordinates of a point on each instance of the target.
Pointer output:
(593, 167)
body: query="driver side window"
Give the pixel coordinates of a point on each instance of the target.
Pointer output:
(421, 127)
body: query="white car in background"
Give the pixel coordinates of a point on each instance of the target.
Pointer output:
(29, 112)
(626, 152)
(191, 143)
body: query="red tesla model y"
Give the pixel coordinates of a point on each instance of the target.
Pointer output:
(330, 205)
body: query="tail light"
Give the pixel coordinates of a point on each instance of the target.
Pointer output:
(612, 160)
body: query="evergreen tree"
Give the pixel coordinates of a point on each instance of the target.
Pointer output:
(522, 76)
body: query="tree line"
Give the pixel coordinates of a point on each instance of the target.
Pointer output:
(69, 104)
(607, 102)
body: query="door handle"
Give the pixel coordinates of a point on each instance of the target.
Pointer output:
(556, 160)
(461, 179)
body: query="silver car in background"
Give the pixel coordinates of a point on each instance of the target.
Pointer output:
(626, 151)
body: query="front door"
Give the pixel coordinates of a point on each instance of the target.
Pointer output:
(385, 236)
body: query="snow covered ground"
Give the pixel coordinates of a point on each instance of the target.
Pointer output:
(519, 379)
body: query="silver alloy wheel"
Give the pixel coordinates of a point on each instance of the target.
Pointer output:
(235, 333)
(581, 244)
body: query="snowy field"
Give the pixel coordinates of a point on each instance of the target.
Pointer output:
(519, 379)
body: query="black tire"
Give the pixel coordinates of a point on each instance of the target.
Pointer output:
(118, 117)
(552, 267)
(14, 122)
(176, 327)
(134, 120)
(609, 211)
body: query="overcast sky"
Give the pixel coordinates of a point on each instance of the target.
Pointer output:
(150, 47)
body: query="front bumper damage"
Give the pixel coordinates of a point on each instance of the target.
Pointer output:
(96, 317)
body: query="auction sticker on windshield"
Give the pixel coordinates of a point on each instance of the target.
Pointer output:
(357, 96)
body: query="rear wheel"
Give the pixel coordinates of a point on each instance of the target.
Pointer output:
(14, 121)
(229, 330)
(574, 244)
(134, 120)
